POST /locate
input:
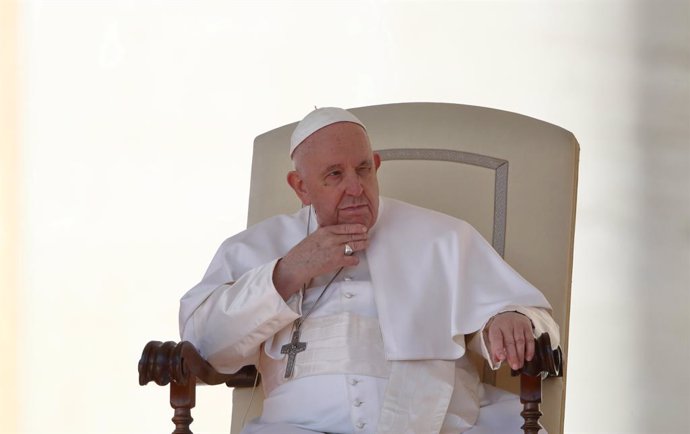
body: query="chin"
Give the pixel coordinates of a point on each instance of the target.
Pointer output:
(363, 220)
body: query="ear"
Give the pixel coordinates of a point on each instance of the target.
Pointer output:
(294, 179)
(377, 160)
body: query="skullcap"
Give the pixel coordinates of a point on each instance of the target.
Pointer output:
(317, 119)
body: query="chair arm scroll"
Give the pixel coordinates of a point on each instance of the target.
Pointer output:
(163, 362)
(546, 361)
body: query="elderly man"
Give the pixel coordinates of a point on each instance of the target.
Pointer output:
(356, 308)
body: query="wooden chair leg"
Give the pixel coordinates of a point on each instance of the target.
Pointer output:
(546, 363)
(530, 397)
(183, 399)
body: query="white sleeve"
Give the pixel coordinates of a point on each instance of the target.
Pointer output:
(541, 323)
(230, 325)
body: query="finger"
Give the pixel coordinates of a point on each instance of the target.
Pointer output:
(496, 344)
(358, 246)
(350, 238)
(359, 236)
(347, 228)
(340, 261)
(529, 343)
(512, 352)
(351, 260)
(520, 347)
(348, 261)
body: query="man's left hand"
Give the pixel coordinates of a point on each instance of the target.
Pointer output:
(511, 339)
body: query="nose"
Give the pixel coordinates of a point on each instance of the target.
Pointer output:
(353, 185)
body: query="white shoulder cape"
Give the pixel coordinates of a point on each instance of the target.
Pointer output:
(436, 278)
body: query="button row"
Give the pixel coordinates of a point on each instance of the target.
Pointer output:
(357, 402)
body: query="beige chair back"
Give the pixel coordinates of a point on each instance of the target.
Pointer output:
(512, 177)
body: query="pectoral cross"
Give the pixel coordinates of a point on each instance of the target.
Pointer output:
(291, 349)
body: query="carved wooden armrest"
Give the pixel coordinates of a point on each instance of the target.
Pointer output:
(181, 366)
(546, 363)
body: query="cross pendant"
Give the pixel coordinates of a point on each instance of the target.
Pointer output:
(291, 349)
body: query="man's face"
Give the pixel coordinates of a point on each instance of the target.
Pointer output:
(336, 173)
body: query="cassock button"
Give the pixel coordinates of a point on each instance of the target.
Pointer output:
(360, 425)
(348, 278)
(348, 295)
(357, 403)
(354, 382)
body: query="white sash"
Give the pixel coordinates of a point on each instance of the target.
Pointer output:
(417, 397)
(336, 344)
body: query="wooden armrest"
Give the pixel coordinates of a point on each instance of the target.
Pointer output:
(181, 366)
(546, 363)
(179, 362)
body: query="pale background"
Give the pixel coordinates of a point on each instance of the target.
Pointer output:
(126, 146)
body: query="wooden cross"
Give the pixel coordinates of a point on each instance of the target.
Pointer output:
(291, 349)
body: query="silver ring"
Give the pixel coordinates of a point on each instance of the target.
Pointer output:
(348, 250)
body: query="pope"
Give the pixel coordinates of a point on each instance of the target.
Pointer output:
(356, 309)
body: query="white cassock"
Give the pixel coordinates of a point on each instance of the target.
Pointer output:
(385, 345)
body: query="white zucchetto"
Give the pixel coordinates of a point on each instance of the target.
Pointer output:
(317, 119)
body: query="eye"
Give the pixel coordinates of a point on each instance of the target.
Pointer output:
(333, 173)
(363, 170)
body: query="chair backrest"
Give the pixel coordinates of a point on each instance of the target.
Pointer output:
(511, 176)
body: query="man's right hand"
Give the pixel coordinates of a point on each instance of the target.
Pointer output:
(320, 253)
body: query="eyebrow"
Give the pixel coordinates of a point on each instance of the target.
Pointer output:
(331, 168)
(367, 162)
